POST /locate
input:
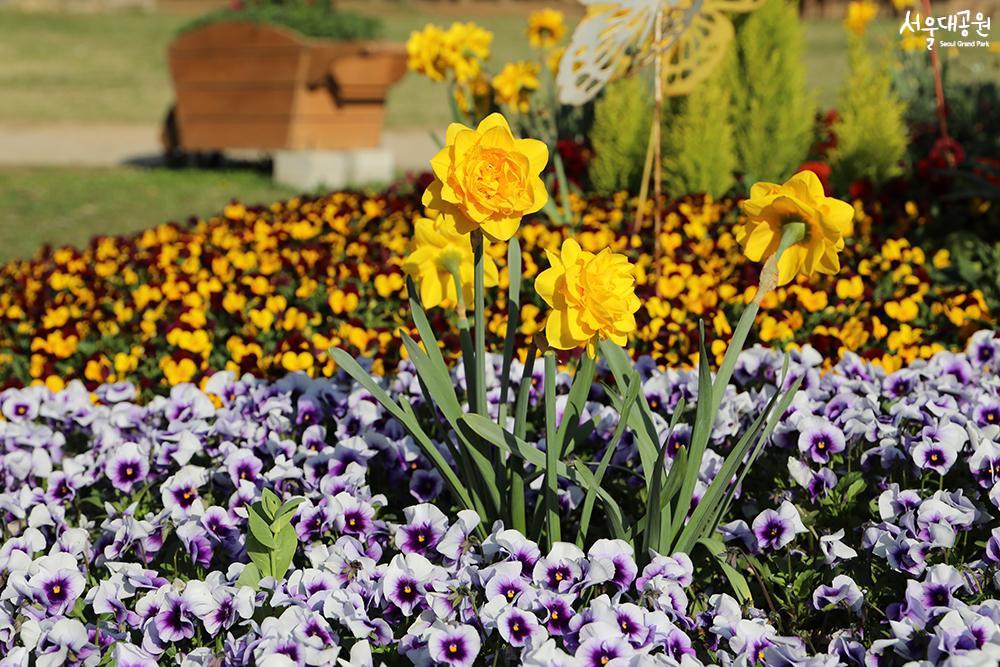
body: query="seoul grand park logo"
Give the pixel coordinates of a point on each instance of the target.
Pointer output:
(958, 30)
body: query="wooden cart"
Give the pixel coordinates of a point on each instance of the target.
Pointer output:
(257, 86)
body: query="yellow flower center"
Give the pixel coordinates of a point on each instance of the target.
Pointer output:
(494, 179)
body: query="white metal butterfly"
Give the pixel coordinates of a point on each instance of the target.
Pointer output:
(615, 39)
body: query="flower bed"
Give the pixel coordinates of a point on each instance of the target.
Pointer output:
(866, 523)
(269, 290)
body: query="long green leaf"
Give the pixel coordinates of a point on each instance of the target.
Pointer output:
(704, 419)
(774, 413)
(515, 465)
(430, 450)
(602, 467)
(553, 453)
(479, 289)
(468, 362)
(646, 437)
(250, 576)
(616, 521)
(425, 329)
(658, 509)
(513, 318)
(491, 431)
(259, 528)
(717, 490)
(259, 556)
(442, 395)
(286, 543)
(439, 383)
(578, 392)
(717, 553)
(409, 420)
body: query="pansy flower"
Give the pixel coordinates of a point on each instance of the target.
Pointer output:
(455, 646)
(819, 439)
(425, 526)
(775, 529)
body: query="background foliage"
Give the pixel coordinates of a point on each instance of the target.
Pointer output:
(871, 135)
(771, 108)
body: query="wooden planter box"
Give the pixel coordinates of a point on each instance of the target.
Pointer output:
(257, 86)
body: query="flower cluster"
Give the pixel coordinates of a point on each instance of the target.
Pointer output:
(458, 55)
(124, 527)
(268, 290)
(457, 52)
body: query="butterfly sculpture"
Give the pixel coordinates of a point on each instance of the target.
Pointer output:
(616, 39)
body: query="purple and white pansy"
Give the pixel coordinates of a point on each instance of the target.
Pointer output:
(876, 501)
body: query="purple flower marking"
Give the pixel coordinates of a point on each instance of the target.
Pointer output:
(775, 529)
(820, 440)
(457, 646)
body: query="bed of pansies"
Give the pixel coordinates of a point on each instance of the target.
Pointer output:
(869, 523)
(546, 499)
(267, 290)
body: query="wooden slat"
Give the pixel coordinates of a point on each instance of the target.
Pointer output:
(217, 134)
(236, 100)
(245, 65)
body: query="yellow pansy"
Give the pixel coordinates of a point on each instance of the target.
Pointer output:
(437, 252)
(486, 179)
(591, 296)
(800, 199)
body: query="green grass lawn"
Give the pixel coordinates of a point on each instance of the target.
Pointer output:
(70, 205)
(111, 68)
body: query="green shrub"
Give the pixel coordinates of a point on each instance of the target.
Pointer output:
(698, 150)
(871, 134)
(309, 19)
(772, 113)
(619, 136)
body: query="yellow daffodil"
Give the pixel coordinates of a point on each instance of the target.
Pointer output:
(460, 49)
(515, 83)
(437, 253)
(799, 200)
(486, 179)
(545, 28)
(592, 297)
(859, 15)
(426, 53)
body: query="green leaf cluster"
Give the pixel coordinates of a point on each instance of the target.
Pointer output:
(771, 111)
(311, 19)
(619, 136)
(699, 154)
(271, 541)
(870, 128)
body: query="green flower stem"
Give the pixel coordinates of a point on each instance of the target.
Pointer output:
(567, 213)
(479, 248)
(791, 233)
(465, 338)
(515, 466)
(551, 451)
